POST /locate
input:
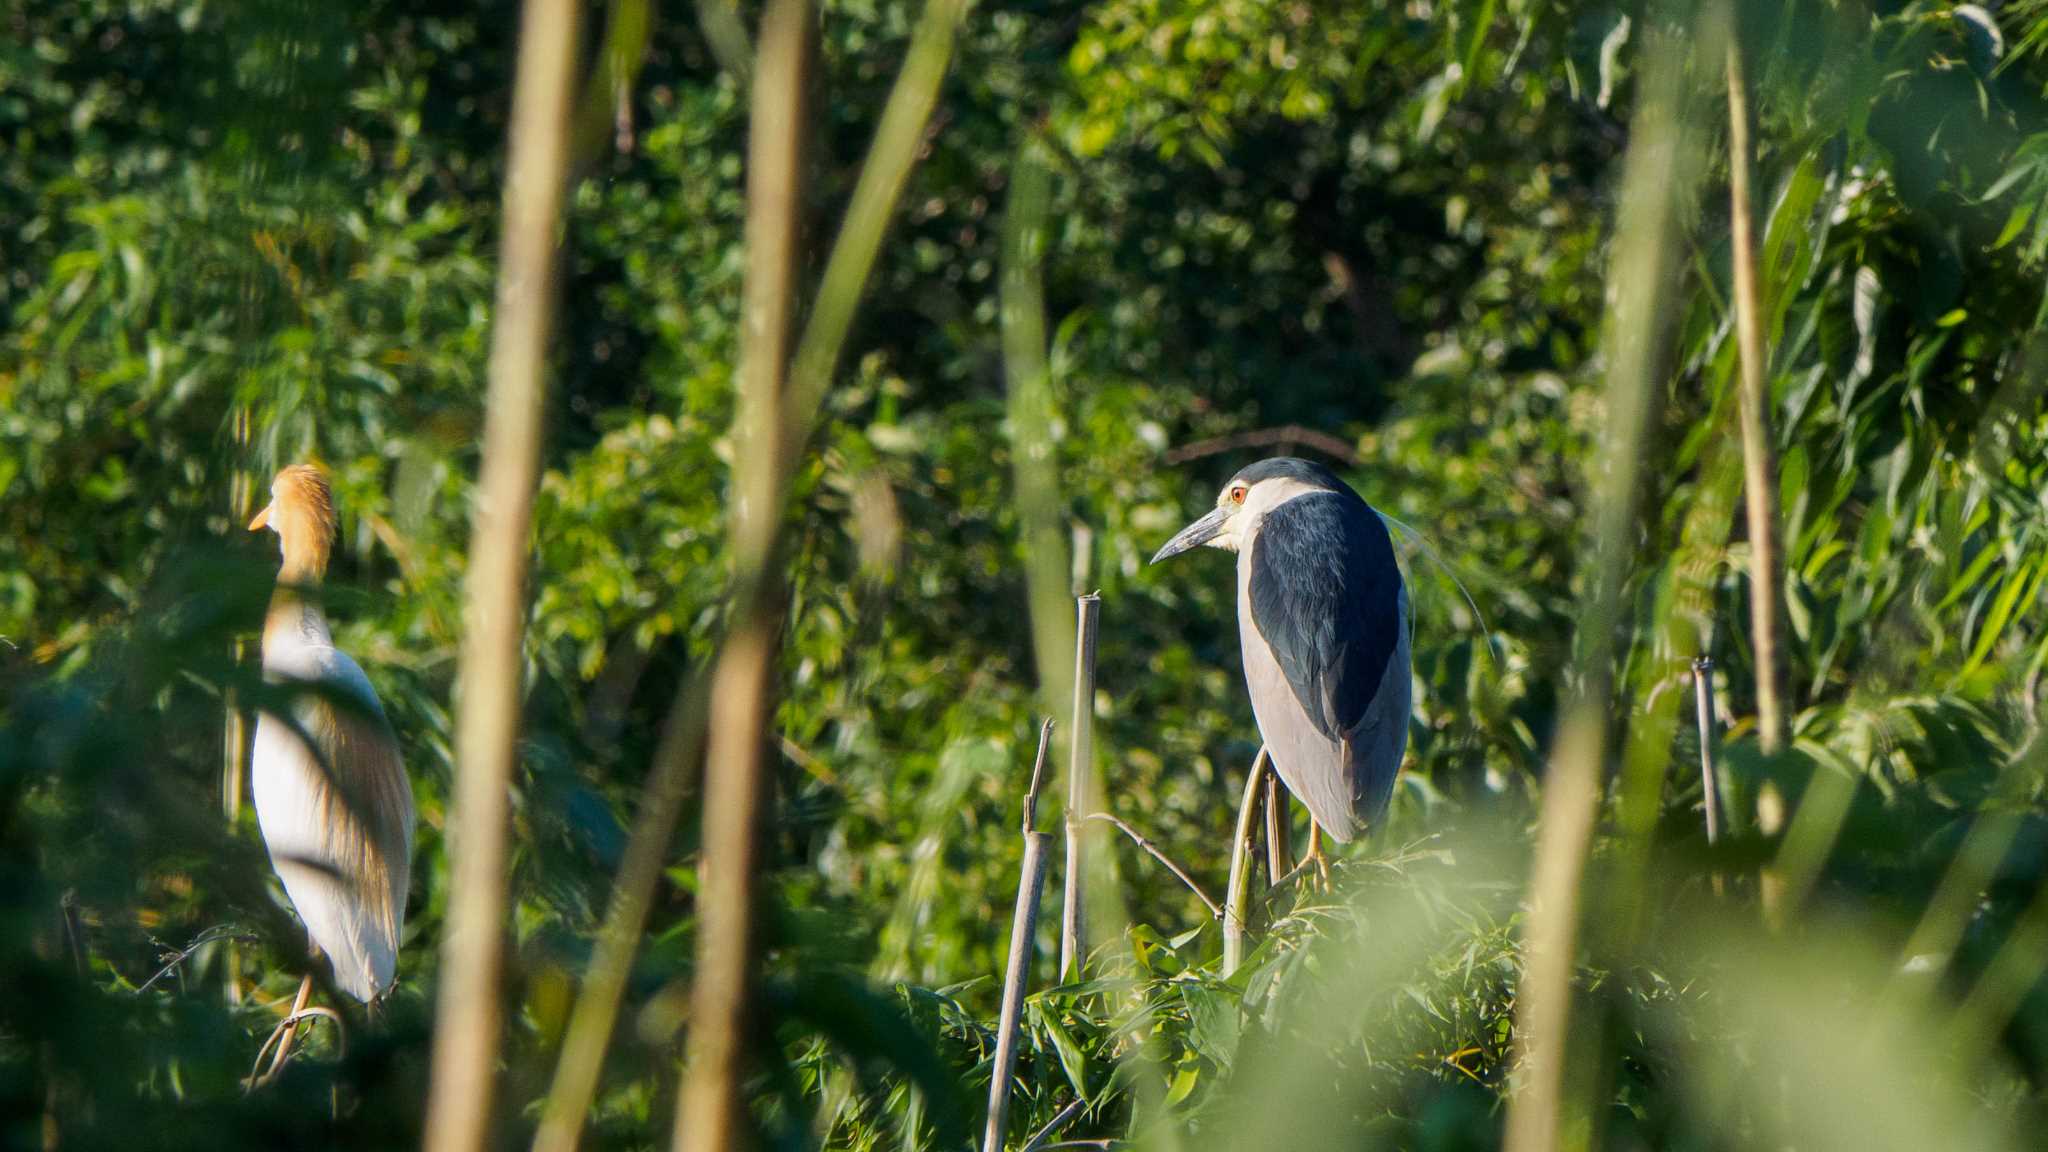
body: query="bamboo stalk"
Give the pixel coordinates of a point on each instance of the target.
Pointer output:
(1034, 466)
(709, 1112)
(1760, 470)
(1080, 764)
(465, 1056)
(669, 775)
(1760, 490)
(1017, 974)
(1657, 168)
(898, 139)
(1240, 866)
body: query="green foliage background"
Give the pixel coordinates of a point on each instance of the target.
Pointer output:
(233, 236)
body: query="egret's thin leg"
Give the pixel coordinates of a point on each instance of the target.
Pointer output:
(291, 1027)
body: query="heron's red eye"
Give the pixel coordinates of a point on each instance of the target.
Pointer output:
(1237, 492)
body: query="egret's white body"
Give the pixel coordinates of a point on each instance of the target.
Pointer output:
(332, 798)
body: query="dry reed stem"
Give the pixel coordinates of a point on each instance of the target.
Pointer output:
(1710, 781)
(1760, 489)
(466, 1023)
(1760, 470)
(709, 1112)
(1080, 764)
(1017, 973)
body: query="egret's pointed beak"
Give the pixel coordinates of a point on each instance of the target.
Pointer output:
(261, 521)
(1195, 535)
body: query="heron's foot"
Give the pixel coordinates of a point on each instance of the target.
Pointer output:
(1316, 864)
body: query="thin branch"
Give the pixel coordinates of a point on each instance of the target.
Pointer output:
(490, 669)
(177, 959)
(1038, 1139)
(1335, 447)
(1139, 838)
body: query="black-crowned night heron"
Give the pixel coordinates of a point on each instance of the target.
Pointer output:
(1322, 617)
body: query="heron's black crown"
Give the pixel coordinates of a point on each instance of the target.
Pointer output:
(1292, 468)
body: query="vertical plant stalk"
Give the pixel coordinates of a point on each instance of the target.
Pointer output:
(1656, 170)
(597, 1007)
(1017, 973)
(1034, 466)
(898, 139)
(709, 1111)
(1760, 469)
(235, 728)
(1710, 781)
(669, 776)
(1080, 799)
(1279, 853)
(1237, 896)
(466, 1022)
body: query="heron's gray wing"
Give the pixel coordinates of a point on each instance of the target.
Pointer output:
(1325, 593)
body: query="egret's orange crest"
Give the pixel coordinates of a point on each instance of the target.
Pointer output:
(301, 512)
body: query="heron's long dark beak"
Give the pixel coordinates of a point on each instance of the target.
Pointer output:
(1194, 535)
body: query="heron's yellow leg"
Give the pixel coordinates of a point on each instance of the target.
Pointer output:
(1315, 854)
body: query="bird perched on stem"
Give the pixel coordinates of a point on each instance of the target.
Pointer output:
(1322, 617)
(332, 798)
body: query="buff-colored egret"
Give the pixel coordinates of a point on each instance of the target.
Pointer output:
(331, 793)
